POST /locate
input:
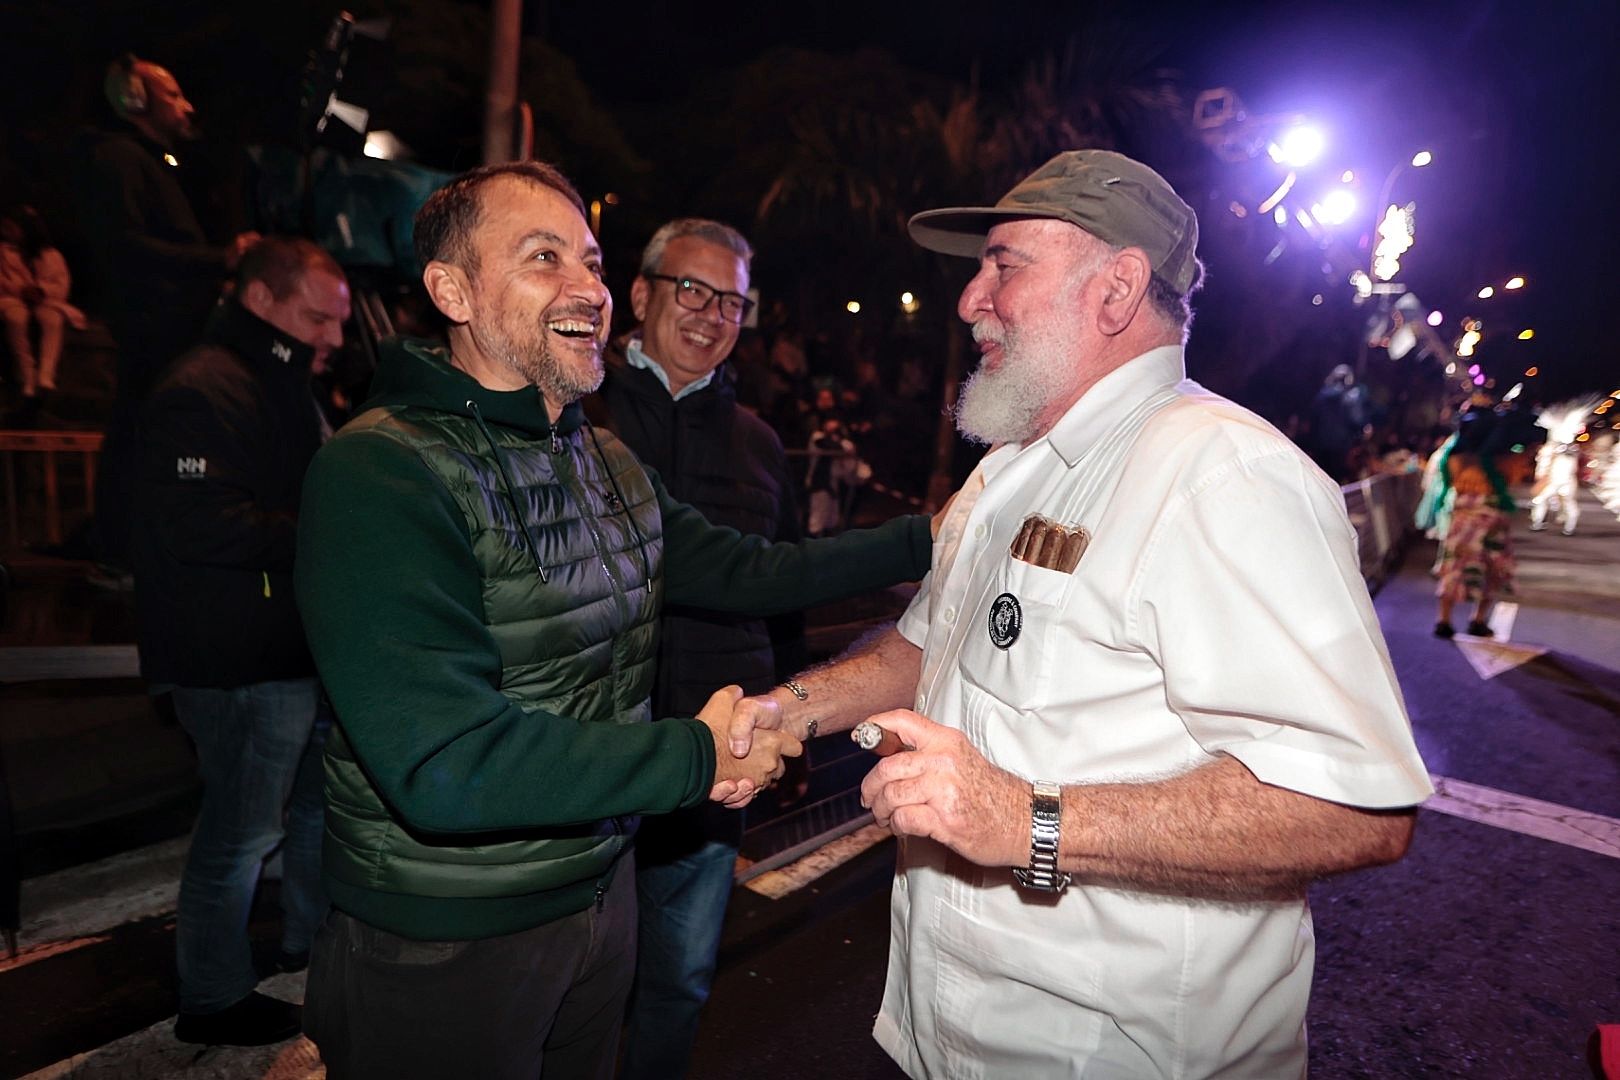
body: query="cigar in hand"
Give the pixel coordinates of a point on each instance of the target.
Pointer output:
(878, 739)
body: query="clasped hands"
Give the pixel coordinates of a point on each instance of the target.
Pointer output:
(943, 788)
(748, 745)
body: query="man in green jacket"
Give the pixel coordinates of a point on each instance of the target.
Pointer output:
(480, 573)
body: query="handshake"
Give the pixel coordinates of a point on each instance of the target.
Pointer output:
(748, 748)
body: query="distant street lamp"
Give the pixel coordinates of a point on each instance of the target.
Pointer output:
(1419, 160)
(1514, 283)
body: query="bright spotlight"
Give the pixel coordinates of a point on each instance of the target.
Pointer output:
(1348, 176)
(1526, 335)
(1435, 318)
(1297, 147)
(909, 303)
(1421, 158)
(1486, 293)
(1514, 283)
(853, 307)
(1335, 208)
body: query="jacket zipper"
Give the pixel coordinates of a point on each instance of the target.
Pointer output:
(570, 476)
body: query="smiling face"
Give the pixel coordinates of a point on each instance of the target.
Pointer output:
(1031, 306)
(533, 310)
(688, 344)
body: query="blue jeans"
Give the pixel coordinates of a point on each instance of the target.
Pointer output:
(681, 906)
(259, 752)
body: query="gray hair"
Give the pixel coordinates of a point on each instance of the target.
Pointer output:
(1174, 305)
(713, 232)
(1168, 302)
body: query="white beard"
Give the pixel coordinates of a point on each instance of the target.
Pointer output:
(1015, 402)
(1039, 373)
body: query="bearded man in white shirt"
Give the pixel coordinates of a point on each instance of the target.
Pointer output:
(1143, 690)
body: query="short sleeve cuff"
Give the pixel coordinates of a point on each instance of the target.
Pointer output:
(1368, 785)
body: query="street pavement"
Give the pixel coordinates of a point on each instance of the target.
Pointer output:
(1492, 950)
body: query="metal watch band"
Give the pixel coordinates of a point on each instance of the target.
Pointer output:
(1043, 874)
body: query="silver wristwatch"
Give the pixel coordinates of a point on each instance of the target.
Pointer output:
(1043, 874)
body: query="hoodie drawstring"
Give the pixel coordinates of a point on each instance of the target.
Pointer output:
(511, 494)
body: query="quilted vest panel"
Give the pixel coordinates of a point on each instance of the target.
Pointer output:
(580, 643)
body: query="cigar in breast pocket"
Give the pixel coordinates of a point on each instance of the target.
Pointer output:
(878, 739)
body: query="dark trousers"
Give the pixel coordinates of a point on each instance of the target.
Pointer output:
(546, 1002)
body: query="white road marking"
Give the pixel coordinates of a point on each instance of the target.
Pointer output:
(1503, 617)
(1530, 817)
(1490, 658)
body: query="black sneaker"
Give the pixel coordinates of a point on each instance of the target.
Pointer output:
(256, 1020)
(1479, 629)
(1444, 630)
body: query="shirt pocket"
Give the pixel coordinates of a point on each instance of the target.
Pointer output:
(1008, 652)
(1013, 999)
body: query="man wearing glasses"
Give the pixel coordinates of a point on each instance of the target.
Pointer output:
(670, 397)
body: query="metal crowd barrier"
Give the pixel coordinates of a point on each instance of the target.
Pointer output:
(1381, 509)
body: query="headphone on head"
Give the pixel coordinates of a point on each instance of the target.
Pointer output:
(125, 89)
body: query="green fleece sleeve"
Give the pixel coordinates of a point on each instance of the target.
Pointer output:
(391, 598)
(721, 569)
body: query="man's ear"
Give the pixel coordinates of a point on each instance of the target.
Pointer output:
(640, 290)
(448, 288)
(1125, 281)
(257, 298)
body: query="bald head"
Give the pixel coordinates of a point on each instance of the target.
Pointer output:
(152, 101)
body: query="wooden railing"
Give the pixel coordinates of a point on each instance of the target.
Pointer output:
(20, 447)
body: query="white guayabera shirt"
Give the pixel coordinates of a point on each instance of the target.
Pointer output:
(1218, 610)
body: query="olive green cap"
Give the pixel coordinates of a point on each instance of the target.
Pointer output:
(1112, 197)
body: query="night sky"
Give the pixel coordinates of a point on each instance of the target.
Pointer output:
(1514, 99)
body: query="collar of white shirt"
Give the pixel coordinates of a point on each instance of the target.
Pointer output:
(638, 359)
(1090, 418)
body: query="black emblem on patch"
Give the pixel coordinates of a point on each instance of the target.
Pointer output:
(1006, 620)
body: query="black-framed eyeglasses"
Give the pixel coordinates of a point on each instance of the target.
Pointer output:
(695, 295)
